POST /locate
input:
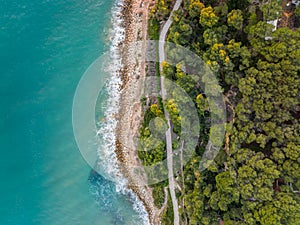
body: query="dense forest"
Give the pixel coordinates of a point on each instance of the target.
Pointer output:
(253, 48)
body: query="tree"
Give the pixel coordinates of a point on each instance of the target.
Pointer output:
(283, 209)
(208, 18)
(155, 109)
(158, 127)
(225, 194)
(202, 103)
(271, 9)
(235, 19)
(195, 8)
(256, 178)
(210, 37)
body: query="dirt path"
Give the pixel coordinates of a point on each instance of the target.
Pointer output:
(162, 38)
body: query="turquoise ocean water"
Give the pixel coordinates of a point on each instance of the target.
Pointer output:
(45, 47)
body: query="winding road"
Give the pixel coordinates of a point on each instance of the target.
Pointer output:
(161, 51)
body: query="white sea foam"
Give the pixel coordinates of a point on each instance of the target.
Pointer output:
(107, 131)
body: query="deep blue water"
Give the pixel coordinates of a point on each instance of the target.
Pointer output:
(45, 47)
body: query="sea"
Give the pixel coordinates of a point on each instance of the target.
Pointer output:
(45, 48)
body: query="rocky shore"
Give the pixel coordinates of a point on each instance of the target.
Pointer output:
(135, 14)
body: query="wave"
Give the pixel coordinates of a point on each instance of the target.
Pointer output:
(107, 129)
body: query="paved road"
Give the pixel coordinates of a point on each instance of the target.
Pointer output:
(161, 51)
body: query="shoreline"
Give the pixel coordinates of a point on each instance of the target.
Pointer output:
(135, 22)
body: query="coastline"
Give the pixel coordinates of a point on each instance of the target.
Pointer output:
(135, 22)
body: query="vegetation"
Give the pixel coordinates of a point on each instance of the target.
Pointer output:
(167, 215)
(255, 178)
